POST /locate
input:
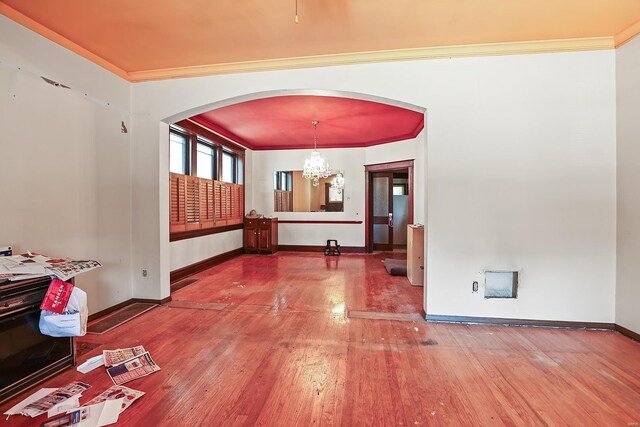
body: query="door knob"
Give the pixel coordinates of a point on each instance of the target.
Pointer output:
(390, 220)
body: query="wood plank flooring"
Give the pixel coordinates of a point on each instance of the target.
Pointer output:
(282, 352)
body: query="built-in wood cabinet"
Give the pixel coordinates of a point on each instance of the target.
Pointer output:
(261, 235)
(415, 255)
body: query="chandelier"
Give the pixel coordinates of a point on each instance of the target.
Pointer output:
(338, 181)
(315, 167)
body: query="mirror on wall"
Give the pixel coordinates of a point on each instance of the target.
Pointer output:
(294, 193)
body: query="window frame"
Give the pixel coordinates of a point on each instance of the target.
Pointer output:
(214, 155)
(287, 176)
(187, 148)
(234, 166)
(194, 135)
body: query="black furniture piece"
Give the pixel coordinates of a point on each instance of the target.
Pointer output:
(332, 248)
(27, 357)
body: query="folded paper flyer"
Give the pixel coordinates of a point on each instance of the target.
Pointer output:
(132, 369)
(117, 356)
(127, 395)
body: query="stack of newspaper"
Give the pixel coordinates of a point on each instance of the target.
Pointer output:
(32, 265)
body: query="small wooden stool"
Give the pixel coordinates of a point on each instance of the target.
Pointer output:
(330, 250)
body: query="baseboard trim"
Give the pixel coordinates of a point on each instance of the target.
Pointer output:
(109, 310)
(519, 322)
(627, 332)
(320, 249)
(123, 304)
(199, 266)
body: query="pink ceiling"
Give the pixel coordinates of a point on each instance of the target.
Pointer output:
(284, 122)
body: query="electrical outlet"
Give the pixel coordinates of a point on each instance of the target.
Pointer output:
(145, 273)
(474, 287)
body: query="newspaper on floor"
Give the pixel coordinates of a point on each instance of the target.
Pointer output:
(31, 265)
(127, 395)
(134, 368)
(59, 395)
(98, 415)
(19, 407)
(63, 407)
(117, 356)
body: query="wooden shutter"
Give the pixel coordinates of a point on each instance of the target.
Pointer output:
(224, 194)
(226, 202)
(207, 218)
(203, 203)
(283, 200)
(227, 199)
(236, 204)
(241, 204)
(218, 205)
(177, 202)
(193, 203)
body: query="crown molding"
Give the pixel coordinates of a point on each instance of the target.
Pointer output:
(486, 49)
(627, 34)
(36, 27)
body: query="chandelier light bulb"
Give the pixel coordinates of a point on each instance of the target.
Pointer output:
(338, 181)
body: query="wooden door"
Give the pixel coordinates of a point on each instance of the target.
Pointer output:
(250, 237)
(264, 237)
(382, 210)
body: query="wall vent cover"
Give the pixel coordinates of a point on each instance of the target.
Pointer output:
(500, 284)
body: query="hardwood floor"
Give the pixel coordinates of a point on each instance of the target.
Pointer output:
(270, 344)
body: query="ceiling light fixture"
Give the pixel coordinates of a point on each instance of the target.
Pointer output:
(315, 167)
(338, 181)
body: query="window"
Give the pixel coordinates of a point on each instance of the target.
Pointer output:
(206, 194)
(205, 159)
(228, 167)
(283, 191)
(283, 180)
(239, 170)
(400, 189)
(178, 153)
(193, 154)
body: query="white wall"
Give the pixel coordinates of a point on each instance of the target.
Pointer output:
(628, 135)
(520, 173)
(190, 251)
(64, 164)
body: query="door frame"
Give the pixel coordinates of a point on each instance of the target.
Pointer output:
(368, 198)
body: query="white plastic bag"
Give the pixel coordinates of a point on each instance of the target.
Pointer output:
(72, 323)
(60, 325)
(78, 302)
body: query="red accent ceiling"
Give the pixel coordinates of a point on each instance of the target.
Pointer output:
(284, 122)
